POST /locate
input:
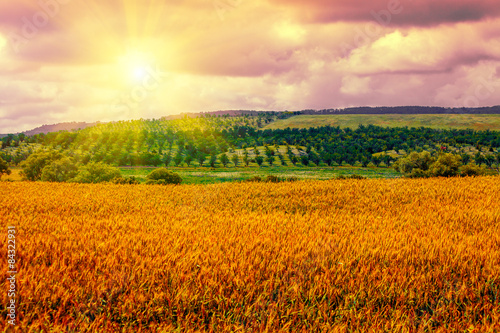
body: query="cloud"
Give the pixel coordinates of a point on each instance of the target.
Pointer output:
(354, 85)
(424, 51)
(263, 55)
(392, 12)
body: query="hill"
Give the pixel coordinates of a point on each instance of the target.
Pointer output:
(68, 126)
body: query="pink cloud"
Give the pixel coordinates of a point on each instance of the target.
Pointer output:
(393, 12)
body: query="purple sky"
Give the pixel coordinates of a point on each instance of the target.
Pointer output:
(75, 60)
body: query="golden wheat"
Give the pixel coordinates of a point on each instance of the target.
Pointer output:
(369, 255)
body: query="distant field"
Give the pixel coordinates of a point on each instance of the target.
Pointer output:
(438, 121)
(207, 175)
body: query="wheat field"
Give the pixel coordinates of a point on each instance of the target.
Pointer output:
(395, 255)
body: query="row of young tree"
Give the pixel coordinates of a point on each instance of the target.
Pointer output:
(213, 140)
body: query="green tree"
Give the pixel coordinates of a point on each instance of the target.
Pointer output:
(235, 160)
(162, 176)
(447, 165)
(4, 168)
(96, 172)
(178, 160)
(224, 159)
(387, 160)
(415, 164)
(489, 160)
(259, 160)
(466, 158)
(270, 159)
(213, 160)
(61, 170)
(246, 160)
(471, 170)
(125, 180)
(201, 158)
(188, 159)
(167, 159)
(34, 164)
(376, 160)
(304, 159)
(479, 158)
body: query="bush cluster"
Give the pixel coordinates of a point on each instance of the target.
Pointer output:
(416, 165)
(271, 179)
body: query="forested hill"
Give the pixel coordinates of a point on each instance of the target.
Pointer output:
(208, 138)
(70, 126)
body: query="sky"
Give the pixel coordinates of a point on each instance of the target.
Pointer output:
(106, 60)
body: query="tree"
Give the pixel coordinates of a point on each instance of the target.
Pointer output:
(376, 160)
(259, 160)
(34, 164)
(479, 158)
(224, 159)
(387, 160)
(471, 170)
(96, 172)
(304, 159)
(188, 159)
(489, 160)
(447, 165)
(235, 160)
(294, 160)
(4, 168)
(162, 176)
(167, 159)
(466, 158)
(246, 160)
(314, 158)
(270, 159)
(213, 160)
(125, 181)
(61, 170)
(178, 160)
(415, 164)
(201, 158)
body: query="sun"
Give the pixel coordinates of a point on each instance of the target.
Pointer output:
(136, 65)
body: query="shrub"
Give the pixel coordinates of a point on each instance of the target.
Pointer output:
(415, 164)
(471, 170)
(4, 168)
(96, 173)
(254, 179)
(272, 179)
(61, 170)
(34, 164)
(162, 176)
(125, 180)
(350, 177)
(356, 177)
(447, 165)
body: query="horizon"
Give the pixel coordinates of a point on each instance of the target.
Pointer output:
(216, 111)
(68, 61)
